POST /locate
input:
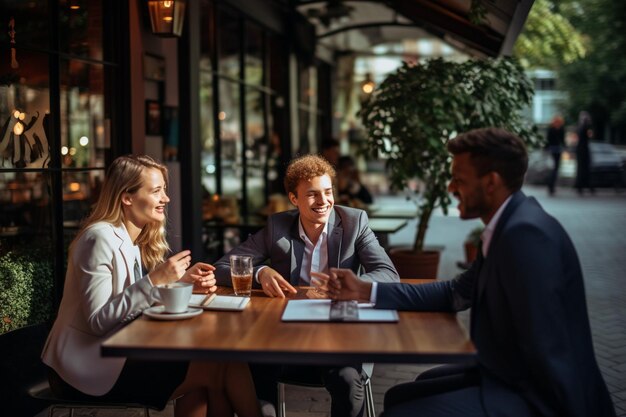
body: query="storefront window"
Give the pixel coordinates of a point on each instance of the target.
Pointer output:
(55, 123)
(256, 149)
(80, 28)
(254, 54)
(207, 135)
(29, 20)
(307, 108)
(83, 135)
(230, 139)
(229, 43)
(24, 108)
(246, 158)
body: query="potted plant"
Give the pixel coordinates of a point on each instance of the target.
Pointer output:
(471, 244)
(415, 111)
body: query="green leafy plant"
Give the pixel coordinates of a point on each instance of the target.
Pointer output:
(26, 282)
(415, 111)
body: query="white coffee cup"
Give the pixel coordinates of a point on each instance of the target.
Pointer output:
(174, 297)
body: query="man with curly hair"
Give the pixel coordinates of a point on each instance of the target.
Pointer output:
(314, 237)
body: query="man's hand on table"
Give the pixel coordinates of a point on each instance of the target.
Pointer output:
(273, 284)
(342, 284)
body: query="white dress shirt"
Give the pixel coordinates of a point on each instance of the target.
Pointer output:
(491, 227)
(315, 258)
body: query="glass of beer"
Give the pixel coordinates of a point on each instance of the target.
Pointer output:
(241, 274)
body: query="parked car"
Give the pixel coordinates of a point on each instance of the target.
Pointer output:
(607, 166)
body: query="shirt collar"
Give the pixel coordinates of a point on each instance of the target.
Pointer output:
(303, 235)
(491, 226)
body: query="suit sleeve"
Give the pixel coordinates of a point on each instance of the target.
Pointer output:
(257, 246)
(544, 302)
(378, 267)
(453, 295)
(104, 307)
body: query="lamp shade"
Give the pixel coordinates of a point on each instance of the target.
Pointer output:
(167, 17)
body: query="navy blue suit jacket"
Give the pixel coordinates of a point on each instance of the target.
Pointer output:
(528, 321)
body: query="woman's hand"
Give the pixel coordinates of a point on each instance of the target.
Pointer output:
(201, 275)
(172, 269)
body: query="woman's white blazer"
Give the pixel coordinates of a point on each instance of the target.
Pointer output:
(100, 296)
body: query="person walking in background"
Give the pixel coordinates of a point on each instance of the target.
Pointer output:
(583, 154)
(554, 145)
(528, 321)
(105, 289)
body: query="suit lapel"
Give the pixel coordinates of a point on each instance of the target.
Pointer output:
(297, 252)
(489, 262)
(126, 249)
(478, 264)
(335, 232)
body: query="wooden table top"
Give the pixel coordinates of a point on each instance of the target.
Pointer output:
(258, 335)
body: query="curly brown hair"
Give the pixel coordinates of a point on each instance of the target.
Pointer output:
(305, 168)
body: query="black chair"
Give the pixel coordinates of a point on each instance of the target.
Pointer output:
(368, 370)
(24, 389)
(20, 369)
(42, 392)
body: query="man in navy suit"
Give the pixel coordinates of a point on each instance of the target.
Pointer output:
(529, 318)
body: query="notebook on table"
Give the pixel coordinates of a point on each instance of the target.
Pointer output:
(319, 310)
(219, 302)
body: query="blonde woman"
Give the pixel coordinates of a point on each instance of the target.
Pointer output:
(105, 288)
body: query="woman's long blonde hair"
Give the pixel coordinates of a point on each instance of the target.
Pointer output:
(124, 175)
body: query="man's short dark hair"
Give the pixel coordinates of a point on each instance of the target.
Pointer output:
(494, 149)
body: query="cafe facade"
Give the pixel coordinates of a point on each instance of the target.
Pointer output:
(225, 92)
(225, 105)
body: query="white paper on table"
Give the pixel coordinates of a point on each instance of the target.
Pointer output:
(319, 310)
(219, 302)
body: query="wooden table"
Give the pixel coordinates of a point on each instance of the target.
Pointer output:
(258, 335)
(387, 225)
(383, 227)
(386, 212)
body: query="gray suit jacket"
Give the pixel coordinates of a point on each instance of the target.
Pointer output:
(351, 244)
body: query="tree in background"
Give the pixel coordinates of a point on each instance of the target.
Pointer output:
(597, 82)
(584, 41)
(548, 40)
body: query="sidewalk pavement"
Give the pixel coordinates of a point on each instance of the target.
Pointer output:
(597, 226)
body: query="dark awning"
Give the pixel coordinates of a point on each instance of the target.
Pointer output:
(351, 25)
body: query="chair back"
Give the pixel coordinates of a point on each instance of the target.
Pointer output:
(21, 368)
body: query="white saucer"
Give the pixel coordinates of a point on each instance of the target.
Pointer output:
(158, 313)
